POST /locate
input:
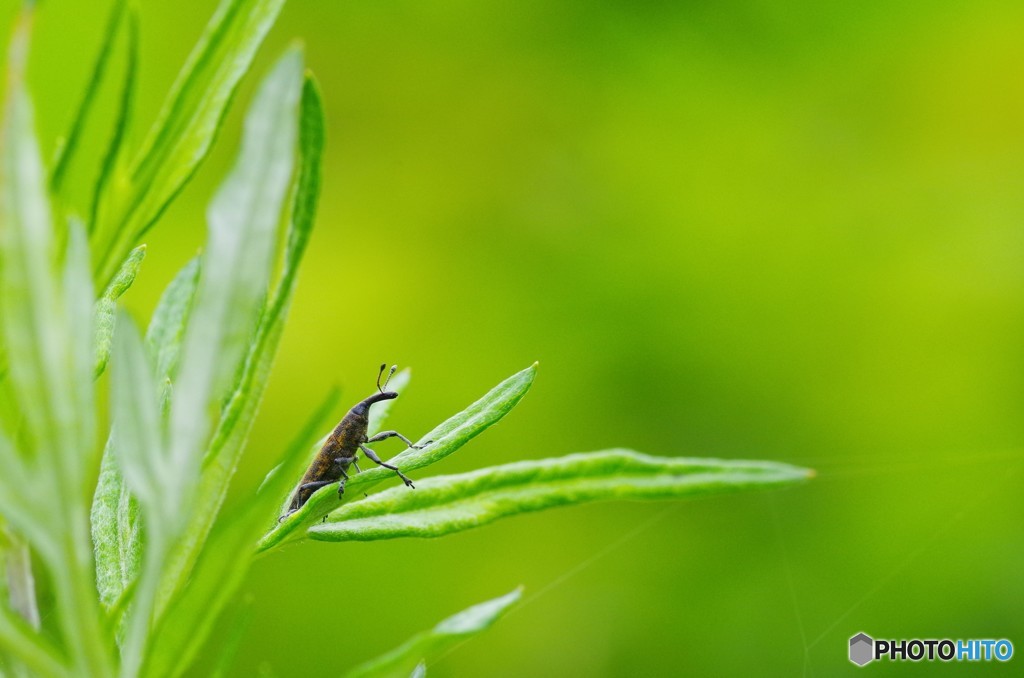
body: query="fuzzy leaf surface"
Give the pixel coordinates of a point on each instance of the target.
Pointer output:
(225, 449)
(447, 438)
(106, 306)
(446, 504)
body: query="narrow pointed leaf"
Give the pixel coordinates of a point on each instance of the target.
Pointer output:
(243, 220)
(167, 326)
(113, 171)
(31, 310)
(106, 307)
(468, 424)
(47, 358)
(446, 504)
(69, 144)
(448, 437)
(115, 531)
(187, 126)
(138, 442)
(115, 516)
(79, 312)
(135, 404)
(243, 226)
(428, 645)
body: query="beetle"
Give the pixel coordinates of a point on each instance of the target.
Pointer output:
(341, 447)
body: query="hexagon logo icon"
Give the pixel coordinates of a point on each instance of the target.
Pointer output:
(862, 649)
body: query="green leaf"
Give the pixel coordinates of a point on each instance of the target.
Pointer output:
(79, 312)
(137, 441)
(115, 511)
(49, 339)
(243, 220)
(186, 127)
(113, 167)
(32, 313)
(228, 442)
(116, 539)
(226, 558)
(468, 424)
(445, 504)
(142, 457)
(243, 225)
(448, 437)
(106, 305)
(429, 645)
(67, 146)
(167, 326)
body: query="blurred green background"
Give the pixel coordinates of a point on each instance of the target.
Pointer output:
(786, 231)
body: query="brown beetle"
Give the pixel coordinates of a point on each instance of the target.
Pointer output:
(340, 450)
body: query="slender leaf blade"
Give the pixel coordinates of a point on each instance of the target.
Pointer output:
(113, 170)
(115, 531)
(243, 220)
(79, 315)
(32, 315)
(106, 307)
(47, 361)
(115, 519)
(243, 227)
(188, 124)
(68, 146)
(138, 442)
(142, 457)
(446, 504)
(167, 326)
(448, 437)
(428, 645)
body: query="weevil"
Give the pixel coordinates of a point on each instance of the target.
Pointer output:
(340, 450)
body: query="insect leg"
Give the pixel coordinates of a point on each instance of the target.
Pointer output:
(317, 485)
(383, 435)
(372, 456)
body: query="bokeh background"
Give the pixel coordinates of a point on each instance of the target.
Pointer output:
(747, 229)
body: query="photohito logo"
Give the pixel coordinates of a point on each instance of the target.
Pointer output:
(865, 649)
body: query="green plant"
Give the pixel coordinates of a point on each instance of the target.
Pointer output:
(142, 562)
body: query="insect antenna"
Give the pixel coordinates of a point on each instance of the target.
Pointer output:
(390, 374)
